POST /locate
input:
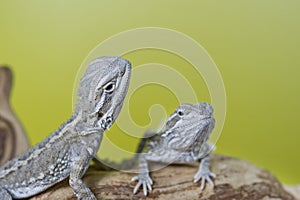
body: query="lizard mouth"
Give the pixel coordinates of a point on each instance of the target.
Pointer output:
(106, 123)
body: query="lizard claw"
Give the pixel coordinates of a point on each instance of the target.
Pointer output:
(143, 180)
(205, 177)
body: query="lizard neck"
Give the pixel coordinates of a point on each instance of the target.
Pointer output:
(83, 123)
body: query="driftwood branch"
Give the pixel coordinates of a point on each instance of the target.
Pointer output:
(236, 179)
(293, 189)
(13, 140)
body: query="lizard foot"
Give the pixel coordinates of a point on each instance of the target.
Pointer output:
(205, 176)
(145, 180)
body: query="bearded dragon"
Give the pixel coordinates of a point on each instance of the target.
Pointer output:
(67, 152)
(184, 140)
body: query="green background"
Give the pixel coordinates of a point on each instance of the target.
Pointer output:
(255, 45)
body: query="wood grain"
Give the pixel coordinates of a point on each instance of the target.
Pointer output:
(13, 140)
(236, 179)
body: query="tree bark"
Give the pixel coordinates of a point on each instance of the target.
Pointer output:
(293, 189)
(236, 179)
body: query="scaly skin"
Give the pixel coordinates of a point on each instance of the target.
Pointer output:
(183, 141)
(68, 151)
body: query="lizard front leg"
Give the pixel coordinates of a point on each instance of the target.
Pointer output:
(204, 173)
(79, 167)
(143, 178)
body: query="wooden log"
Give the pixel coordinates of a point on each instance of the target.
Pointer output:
(13, 140)
(293, 189)
(236, 179)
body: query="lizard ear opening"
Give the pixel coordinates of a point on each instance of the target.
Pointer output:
(100, 115)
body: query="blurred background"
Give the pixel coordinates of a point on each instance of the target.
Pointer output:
(255, 45)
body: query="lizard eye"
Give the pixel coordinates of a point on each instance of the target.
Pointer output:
(180, 113)
(109, 87)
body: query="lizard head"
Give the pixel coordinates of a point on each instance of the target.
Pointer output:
(102, 90)
(189, 126)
